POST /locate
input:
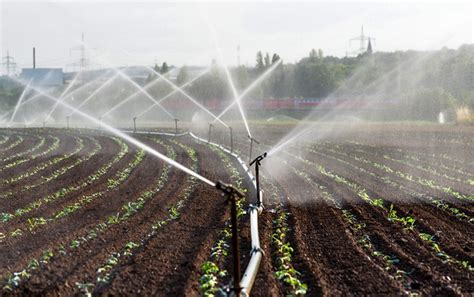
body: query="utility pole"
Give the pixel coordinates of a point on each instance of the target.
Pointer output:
(9, 64)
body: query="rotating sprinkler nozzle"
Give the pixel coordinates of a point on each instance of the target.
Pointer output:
(176, 125)
(232, 194)
(252, 140)
(134, 124)
(257, 163)
(44, 124)
(67, 122)
(209, 135)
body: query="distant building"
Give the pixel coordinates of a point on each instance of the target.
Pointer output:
(43, 77)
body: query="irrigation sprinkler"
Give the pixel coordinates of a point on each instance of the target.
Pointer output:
(44, 124)
(232, 194)
(209, 134)
(176, 125)
(134, 124)
(257, 163)
(67, 122)
(252, 140)
(231, 140)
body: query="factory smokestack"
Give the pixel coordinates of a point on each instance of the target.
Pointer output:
(34, 58)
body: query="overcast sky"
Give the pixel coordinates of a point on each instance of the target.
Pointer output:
(138, 33)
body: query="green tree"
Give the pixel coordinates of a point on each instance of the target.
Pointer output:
(275, 58)
(313, 55)
(260, 65)
(426, 104)
(183, 76)
(164, 68)
(267, 60)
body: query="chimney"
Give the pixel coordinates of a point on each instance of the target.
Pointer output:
(34, 58)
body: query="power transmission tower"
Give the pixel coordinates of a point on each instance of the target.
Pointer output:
(9, 64)
(83, 61)
(363, 42)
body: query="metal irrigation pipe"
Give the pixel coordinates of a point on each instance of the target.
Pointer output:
(232, 194)
(257, 180)
(256, 253)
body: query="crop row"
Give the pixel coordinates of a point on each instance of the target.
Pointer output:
(61, 193)
(283, 250)
(212, 271)
(104, 273)
(129, 209)
(33, 223)
(41, 142)
(441, 204)
(54, 146)
(435, 160)
(60, 171)
(392, 215)
(4, 139)
(387, 263)
(12, 145)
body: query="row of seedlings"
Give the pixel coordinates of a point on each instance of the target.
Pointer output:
(60, 171)
(391, 213)
(387, 263)
(213, 273)
(407, 161)
(282, 251)
(33, 223)
(440, 203)
(104, 273)
(54, 146)
(129, 209)
(61, 193)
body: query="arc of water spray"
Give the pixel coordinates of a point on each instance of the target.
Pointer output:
(145, 92)
(132, 96)
(25, 90)
(69, 95)
(283, 143)
(140, 88)
(174, 92)
(229, 79)
(96, 91)
(131, 140)
(251, 87)
(189, 97)
(61, 97)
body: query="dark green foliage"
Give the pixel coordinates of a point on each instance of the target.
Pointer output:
(10, 92)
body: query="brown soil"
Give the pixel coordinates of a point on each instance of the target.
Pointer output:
(328, 253)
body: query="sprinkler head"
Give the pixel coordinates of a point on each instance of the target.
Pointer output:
(228, 189)
(253, 139)
(259, 158)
